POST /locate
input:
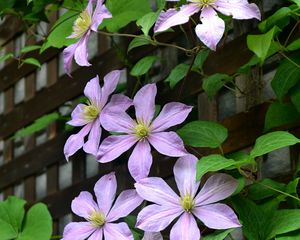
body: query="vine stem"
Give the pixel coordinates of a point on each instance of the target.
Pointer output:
(153, 42)
(279, 191)
(289, 59)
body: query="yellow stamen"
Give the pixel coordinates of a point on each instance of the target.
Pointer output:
(90, 112)
(97, 219)
(187, 202)
(204, 3)
(82, 24)
(141, 130)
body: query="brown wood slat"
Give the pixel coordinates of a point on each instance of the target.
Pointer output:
(66, 88)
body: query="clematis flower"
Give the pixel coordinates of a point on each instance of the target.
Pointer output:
(152, 236)
(87, 22)
(143, 131)
(211, 29)
(101, 215)
(189, 205)
(88, 115)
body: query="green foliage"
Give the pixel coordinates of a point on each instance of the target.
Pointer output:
(212, 84)
(261, 44)
(280, 114)
(143, 66)
(30, 48)
(203, 134)
(200, 59)
(147, 21)
(217, 235)
(124, 12)
(287, 76)
(32, 61)
(6, 57)
(177, 74)
(272, 141)
(139, 41)
(16, 225)
(38, 125)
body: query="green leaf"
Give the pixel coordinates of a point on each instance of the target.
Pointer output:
(280, 114)
(259, 192)
(212, 163)
(38, 223)
(295, 45)
(297, 2)
(32, 61)
(147, 21)
(260, 44)
(272, 141)
(212, 84)
(12, 211)
(6, 57)
(295, 235)
(137, 42)
(200, 59)
(38, 125)
(177, 74)
(295, 96)
(62, 28)
(6, 4)
(7, 232)
(143, 66)
(280, 18)
(124, 12)
(283, 221)
(253, 217)
(203, 134)
(30, 48)
(217, 235)
(287, 76)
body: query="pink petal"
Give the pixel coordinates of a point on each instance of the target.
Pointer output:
(92, 145)
(77, 115)
(140, 160)
(92, 91)
(111, 81)
(84, 205)
(117, 231)
(239, 9)
(156, 190)
(116, 120)
(217, 187)
(101, 12)
(144, 103)
(155, 218)
(81, 52)
(89, 7)
(113, 146)
(172, 114)
(217, 216)
(212, 28)
(119, 102)
(68, 55)
(185, 175)
(126, 202)
(168, 143)
(78, 231)
(76, 141)
(172, 17)
(152, 236)
(97, 235)
(105, 191)
(185, 228)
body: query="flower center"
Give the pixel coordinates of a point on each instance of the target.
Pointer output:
(82, 24)
(187, 202)
(90, 112)
(204, 3)
(141, 130)
(97, 219)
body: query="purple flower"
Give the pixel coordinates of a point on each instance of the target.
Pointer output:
(100, 215)
(211, 29)
(86, 22)
(152, 236)
(87, 115)
(168, 205)
(143, 131)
